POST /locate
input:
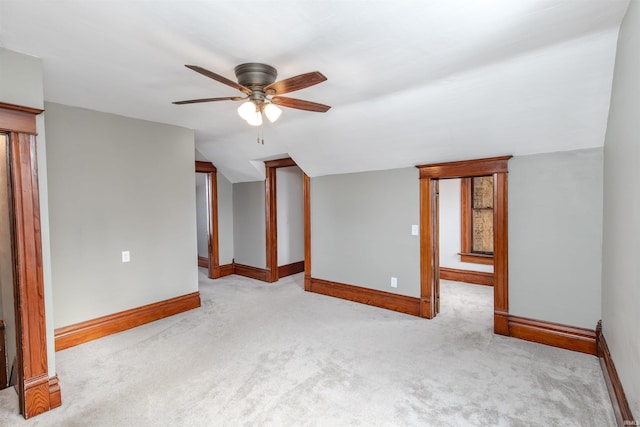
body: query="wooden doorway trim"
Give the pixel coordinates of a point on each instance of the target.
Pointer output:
(213, 262)
(429, 175)
(37, 392)
(271, 215)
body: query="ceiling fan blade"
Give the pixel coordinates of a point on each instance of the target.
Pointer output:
(195, 101)
(295, 83)
(300, 104)
(219, 78)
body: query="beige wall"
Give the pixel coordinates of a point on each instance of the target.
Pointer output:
(621, 253)
(118, 184)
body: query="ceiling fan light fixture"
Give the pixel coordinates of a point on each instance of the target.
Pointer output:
(247, 110)
(255, 119)
(272, 112)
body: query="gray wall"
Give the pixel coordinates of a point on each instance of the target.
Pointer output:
(555, 236)
(202, 214)
(249, 240)
(117, 184)
(21, 79)
(620, 275)
(21, 83)
(225, 220)
(290, 216)
(361, 229)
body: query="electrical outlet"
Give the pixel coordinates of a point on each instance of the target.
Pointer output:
(126, 257)
(394, 282)
(415, 230)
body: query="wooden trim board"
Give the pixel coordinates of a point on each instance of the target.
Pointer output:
(476, 258)
(89, 330)
(212, 217)
(4, 381)
(387, 300)
(271, 223)
(306, 189)
(280, 163)
(429, 176)
(467, 276)
(55, 398)
(554, 334)
(224, 270)
(24, 201)
(621, 408)
(203, 262)
(251, 272)
(289, 269)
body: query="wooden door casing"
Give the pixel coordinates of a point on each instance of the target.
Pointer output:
(429, 174)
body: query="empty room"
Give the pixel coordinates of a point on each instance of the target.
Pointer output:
(319, 213)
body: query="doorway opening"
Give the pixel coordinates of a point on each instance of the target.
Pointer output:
(8, 349)
(430, 176)
(285, 218)
(207, 218)
(465, 219)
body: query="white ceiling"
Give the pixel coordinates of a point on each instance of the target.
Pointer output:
(409, 82)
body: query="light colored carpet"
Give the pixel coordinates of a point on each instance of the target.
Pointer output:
(273, 355)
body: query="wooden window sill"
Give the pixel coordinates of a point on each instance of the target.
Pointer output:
(476, 258)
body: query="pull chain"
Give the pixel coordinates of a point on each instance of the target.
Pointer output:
(260, 135)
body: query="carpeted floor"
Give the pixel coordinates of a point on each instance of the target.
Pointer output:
(272, 355)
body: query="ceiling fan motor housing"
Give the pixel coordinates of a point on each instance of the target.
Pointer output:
(253, 74)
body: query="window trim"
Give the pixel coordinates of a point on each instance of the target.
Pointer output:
(466, 226)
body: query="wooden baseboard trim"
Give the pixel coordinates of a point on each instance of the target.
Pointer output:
(55, 396)
(203, 262)
(500, 322)
(225, 270)
(79, 333)
(554, 334)
(387, 300)
(251, 272)
(621, 407)
(289, 269)
(36, 396)
(467, 276)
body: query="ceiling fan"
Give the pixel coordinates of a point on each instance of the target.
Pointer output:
(258, 82)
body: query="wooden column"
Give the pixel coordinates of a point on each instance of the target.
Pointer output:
(37, 392)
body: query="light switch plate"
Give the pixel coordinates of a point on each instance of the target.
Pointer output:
(415, 230)
(126, 257)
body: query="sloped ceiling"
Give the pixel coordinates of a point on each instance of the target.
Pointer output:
(409, 82)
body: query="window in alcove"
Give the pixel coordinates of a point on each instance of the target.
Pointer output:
(477, 220)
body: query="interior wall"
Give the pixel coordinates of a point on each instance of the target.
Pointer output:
(225, 220)
(450, 228)
(290, 216)
(118, 184)
(361, 229)
(21, 83)
(202, 215)
(7, 312)
(249, 227)
(620, 272)
(555, 236)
